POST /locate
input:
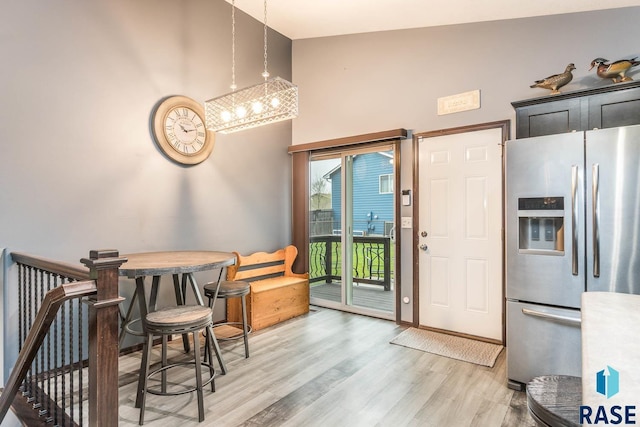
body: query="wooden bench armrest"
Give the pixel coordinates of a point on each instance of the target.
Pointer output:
(290, 254)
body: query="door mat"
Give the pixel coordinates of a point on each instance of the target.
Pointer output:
(465, 349)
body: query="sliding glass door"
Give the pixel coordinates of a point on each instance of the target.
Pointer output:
(352, 233)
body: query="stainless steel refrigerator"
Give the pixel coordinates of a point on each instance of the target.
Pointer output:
(572, 225)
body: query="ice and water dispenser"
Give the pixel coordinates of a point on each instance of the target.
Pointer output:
(541, 224)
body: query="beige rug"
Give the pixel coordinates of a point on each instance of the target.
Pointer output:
(465, 349)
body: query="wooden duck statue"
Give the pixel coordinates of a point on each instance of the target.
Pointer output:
(616, 70)
(556, 81)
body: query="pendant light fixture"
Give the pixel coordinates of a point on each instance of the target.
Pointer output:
(274, 100)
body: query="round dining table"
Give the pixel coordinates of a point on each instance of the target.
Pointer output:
(181, 265)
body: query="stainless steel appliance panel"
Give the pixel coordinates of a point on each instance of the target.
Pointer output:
(550, 166)
(542, 340)
(613, 209)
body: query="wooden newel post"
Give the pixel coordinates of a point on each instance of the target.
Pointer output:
(104, 319)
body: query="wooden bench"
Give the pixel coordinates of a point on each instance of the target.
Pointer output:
(277, 294)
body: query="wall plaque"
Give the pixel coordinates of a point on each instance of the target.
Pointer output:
(459, 102)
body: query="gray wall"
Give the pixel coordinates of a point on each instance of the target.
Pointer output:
(79, 169)
(357, 84)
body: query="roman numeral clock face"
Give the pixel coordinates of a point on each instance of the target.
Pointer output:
(185, 130)
(180, 131)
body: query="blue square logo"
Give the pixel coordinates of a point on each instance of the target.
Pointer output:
(608, 382)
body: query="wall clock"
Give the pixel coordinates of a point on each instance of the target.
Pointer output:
(180, 132)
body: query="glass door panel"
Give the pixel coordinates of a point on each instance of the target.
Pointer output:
(325, 229)
(347, 233)
(352, 218)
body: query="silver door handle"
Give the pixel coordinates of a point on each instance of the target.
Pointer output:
(574, 220)
(566, 319)
(423, 247)
(595, 188)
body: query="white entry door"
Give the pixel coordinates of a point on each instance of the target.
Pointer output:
(460, 233)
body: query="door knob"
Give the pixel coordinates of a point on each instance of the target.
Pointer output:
(423, 247)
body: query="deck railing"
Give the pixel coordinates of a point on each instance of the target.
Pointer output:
(371, 259)
(68, 342)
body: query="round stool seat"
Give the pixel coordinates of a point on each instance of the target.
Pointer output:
(554, 400)
(228, 289)
(179, 319)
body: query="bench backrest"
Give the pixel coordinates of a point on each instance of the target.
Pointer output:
(263, 264)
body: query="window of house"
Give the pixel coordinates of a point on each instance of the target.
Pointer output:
(386, 184)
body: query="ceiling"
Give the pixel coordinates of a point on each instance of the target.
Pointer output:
(300, 19)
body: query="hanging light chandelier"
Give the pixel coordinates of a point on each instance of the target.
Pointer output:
(274, 100)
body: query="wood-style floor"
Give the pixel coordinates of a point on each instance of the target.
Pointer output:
(330, 368)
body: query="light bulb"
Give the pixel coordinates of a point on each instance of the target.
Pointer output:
(275, 102)
(226, 116)
(241, 112)
(257, 107)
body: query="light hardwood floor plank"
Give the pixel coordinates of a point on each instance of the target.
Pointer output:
(330, 368)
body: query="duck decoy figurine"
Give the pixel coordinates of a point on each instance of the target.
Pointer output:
(556, 81)
(616, 70)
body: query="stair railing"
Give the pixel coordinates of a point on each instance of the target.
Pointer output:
(68, 324)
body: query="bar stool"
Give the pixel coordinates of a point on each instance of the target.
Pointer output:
(226, 290)
(183, 319)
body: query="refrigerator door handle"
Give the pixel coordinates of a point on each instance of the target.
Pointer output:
(572, 320)
(574, 220)
(595, 188)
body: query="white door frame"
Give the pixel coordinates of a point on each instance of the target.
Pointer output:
(505, 126)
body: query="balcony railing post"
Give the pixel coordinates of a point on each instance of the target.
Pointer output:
(327, 261)
(103, 337)
(387, 264)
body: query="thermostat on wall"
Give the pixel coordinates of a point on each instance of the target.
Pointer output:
(406, 197)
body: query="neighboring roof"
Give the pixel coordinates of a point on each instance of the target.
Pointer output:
(331, 172)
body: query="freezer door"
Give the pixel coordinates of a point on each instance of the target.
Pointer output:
(542, 340)
(540, 169)
(613, 209)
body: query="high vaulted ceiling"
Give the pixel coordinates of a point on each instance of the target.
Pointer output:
(300, 19)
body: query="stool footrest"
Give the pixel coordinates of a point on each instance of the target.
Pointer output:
(138, 333)
(188, 390)
(234, 325)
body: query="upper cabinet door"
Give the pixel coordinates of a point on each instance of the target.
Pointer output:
(548, 119)
(608, 110)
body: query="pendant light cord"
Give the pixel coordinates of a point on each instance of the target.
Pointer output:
(265, 74)
(233, 45)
